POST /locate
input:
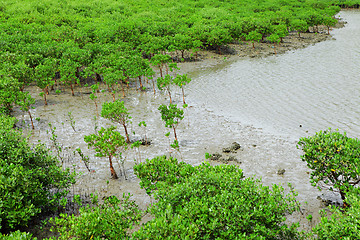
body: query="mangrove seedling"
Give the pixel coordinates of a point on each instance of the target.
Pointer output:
(137, 145)
(165, 83)
(142, 123)
(181, 81)
(117, 112)
(85, 159)
(107, 143)
(171, 116)
(93, 96)
(72, 121)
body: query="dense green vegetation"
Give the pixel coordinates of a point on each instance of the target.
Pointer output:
(31, 179)
(118, 43)
(49, 43)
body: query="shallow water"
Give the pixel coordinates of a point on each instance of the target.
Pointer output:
(315, 88)
(259, 103)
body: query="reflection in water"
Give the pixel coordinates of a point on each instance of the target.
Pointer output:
(315, 88)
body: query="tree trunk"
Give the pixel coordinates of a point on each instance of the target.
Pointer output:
(175, 134)
(161, 74)
(32, 123)
(153, 83)
(141, 86)
(169, 95)
(183, 95)
(126, 134)
(275, 48)
(112, 170)
(122, 88)
(45, 97)
(72, 90)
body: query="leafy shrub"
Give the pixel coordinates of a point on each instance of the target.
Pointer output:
(110, 220)
(334, 159)
(161, 169)
(17, 235)
(207, 202)
(30, 178)
(342, 224)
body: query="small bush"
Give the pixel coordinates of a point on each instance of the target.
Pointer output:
(334, 159)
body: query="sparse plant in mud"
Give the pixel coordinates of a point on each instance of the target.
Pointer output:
(143, 123)
(117, 112)
(93, 96)
(111, 220)
(55, 144)
(72, 120)
(165, 83)
(150, 75)
(84, 159)
(107, 143)
(334, 159)
(137, 145)
(181, 81)
(25, 101)
(171, 116)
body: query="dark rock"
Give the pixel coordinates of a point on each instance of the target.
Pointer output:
(281, 171)
(146, 142)
(235, 146)
(231, 159)
(232, 149)
(226, 150)
(215, 156)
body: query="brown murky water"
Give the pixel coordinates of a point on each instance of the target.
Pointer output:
(259, 103)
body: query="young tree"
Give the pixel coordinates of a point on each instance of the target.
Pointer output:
(171, 116)
(181, 81)
(93, 96)
(329, 22)
(44, 75)
(299, 25)
(253, 36)
(107, 143)
(165, 83)
(281, 31)
(334, 159)
(117, 112)
(160, 61)
(25, 101)
(274, 38)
